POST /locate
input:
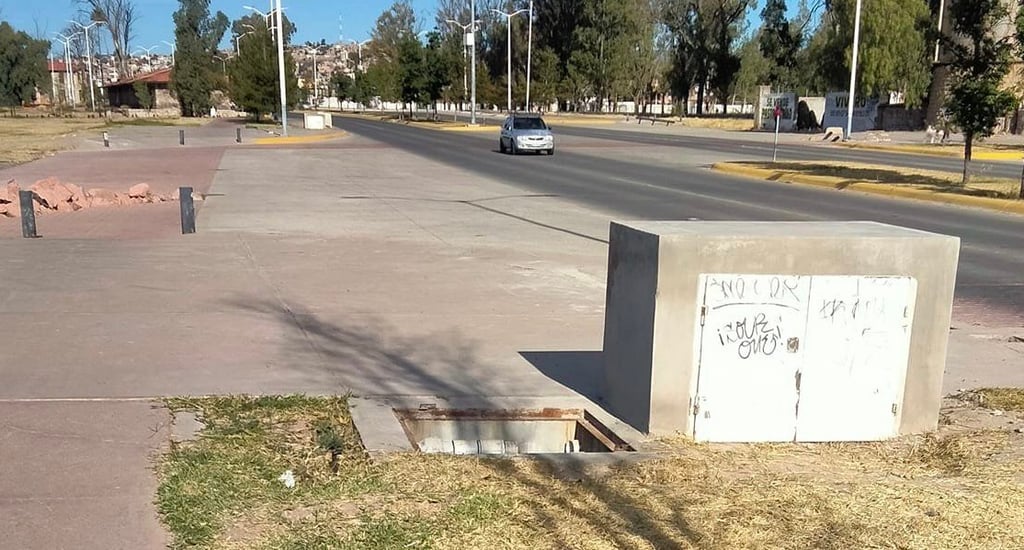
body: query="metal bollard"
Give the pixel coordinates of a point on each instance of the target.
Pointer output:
(238, 135)
(28, 214)
(106, 140)
(188, 210)
(181, 137)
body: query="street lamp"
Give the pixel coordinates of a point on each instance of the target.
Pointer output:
(223, 62)
(359, 47)
(316, 82)
(529, 57)
(174, 48)
(465, 51)
(853, 72)
(508, 27)
(69, 79)
(149, 54)
(238, 40)
(471, 42)
(280, 56)
(88, 56)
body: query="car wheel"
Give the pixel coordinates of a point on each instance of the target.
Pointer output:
(551, 151)
(515, 150)
(501, 145)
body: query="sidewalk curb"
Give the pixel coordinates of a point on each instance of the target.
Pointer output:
(999, 205)
(282, 140)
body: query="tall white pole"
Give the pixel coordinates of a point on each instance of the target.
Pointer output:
(88, 59)
(316, 82)
(508, 77)
(529, 58)
(53, 82)
(280, 69)
(942, 7)
(472, 44)
(853, 72)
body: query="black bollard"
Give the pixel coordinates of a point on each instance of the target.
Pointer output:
(181, 137)
(106, 140)
(238, 135)
(28, 214)
(188, 210)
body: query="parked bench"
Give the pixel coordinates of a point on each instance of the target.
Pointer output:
(653, 120)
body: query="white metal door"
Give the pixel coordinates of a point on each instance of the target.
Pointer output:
(855, 358)
(749, 356)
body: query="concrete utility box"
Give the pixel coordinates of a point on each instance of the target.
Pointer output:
(751, 331)
(314, 122)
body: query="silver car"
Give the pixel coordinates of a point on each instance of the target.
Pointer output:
(521, 133)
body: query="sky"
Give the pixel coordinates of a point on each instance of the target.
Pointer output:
(315, 19)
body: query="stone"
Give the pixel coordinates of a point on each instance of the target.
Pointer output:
(139, 191)
(51, 193)
(101, 197)
(9, 193)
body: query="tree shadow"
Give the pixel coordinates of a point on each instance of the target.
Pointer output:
(852, 174)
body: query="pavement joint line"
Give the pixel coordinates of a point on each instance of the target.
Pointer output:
(15, 400)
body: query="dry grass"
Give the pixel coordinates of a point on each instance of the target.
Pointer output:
(957, 489)
(1004, 399)
(849, 173)
(27, 139)
(732, 124)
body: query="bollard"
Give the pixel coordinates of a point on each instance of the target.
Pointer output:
(188, 210)
(181, 137)
(238, 135)
(106, 140)
(28, 214)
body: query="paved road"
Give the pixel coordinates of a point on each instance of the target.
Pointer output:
(992, 265)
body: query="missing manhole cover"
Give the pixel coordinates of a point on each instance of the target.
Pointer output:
(507, 432)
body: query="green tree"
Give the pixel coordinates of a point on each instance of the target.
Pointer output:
(197, 35)
(725, 25)
(894, 50)
(754, 69)
(440, 64)
(412, 71)
(981, 47)
(255, 82)
(142, 94)
(779, 45)
(22, 66)
(343, 86)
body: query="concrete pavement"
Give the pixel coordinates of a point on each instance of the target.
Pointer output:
(393, 266)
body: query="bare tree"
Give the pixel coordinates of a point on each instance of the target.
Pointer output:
(118, 17)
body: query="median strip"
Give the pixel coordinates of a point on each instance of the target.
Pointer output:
(990, 193)
(292, 140)
(938, 150)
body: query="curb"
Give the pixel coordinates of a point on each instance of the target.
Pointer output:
(1005, 206)
(281, 140)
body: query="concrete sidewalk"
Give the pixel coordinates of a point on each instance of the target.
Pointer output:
(323, 269)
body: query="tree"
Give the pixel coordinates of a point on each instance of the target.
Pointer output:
(255, 82)
(197, 35)
(22, 66)
(344, 87)
(252, 21)
(754, 69)
(412, 70)
(893, 48)
(440, 63)
(118, 17)
(981, 47)
(779, 45)
(143, 94)
(726, 18)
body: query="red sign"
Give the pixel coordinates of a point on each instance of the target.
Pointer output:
(778, 111)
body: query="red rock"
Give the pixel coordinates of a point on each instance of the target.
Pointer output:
(101, 197)
(10, 193)
(139, 191)
(50, 193)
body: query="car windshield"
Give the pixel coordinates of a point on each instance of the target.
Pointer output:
(528, 124)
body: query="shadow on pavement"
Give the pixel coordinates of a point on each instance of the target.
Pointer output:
(580, 371)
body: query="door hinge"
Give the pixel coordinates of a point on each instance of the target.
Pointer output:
(703, 314)
(894, 409)
(696, 408)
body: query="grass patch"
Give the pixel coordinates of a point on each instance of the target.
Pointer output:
(24, 139)
(960, 488)
(1005, 399)
(849, 173)
(163, 122)
(719, 123)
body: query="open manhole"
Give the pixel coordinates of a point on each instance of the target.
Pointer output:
(507, 432)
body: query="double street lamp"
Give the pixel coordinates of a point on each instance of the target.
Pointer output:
(69, 78)
(279, 11)
(508, 27)
(466, 42)
(88, 56)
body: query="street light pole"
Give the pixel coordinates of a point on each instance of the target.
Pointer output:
(465, 53)
(508, 76)
(472, 45)
(529, 58)
(66, 41)
(853, 73)
(174, 48)
(316, 82)
(88, 59)
(280, 69)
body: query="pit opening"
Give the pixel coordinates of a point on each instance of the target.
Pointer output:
(507, 432)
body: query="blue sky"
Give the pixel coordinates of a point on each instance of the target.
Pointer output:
(315, 19)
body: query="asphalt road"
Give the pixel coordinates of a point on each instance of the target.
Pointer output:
(992, 263)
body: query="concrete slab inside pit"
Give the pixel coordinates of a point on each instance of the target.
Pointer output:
(653, 303)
